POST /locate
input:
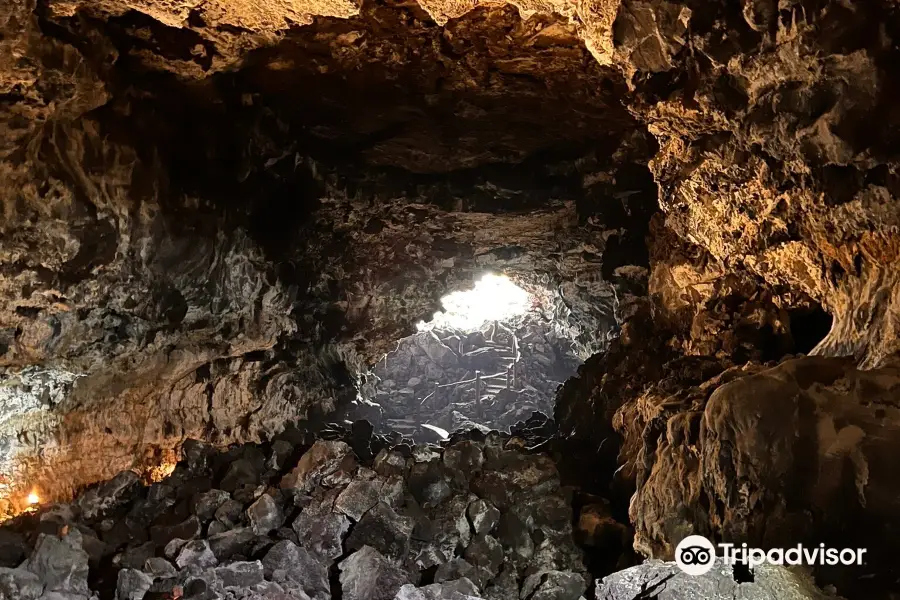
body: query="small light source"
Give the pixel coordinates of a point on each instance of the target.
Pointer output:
(33, 498)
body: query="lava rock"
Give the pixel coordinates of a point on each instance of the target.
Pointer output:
(553, 585)
(186, 530)
(106, 497)
(19, 584)
(323, 459)
(459, 589)
(134, 558)
(669, 582)
(240, 473)
(159, 567)
(437, 351)
(60, 562)
(295, 568)
(235, 541)
(197, 553)
(483, 515)
(358, 497)
(384, 530)
(367, 575)
(229, 513)
(12, 548)
(265, 515)
(322, 531)
(240, 574)
(132, 584)
(206, 504)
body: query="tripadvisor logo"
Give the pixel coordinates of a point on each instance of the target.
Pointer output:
(696, 555)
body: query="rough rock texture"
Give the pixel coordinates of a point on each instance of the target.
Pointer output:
(477, 538)
(665, 581)
(214, 214)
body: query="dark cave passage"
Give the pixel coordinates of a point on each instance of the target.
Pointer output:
(809, 326)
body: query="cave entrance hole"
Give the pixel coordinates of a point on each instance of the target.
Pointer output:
(492, 358)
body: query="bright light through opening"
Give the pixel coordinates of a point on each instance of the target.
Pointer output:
(33, 498)
(494, 298)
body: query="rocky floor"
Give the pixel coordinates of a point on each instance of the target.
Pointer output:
(494, 376)
(479, 516)
(344, 517)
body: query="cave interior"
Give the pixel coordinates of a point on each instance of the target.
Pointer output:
(238, 358)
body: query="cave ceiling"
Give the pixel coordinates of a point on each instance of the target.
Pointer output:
(215, 214)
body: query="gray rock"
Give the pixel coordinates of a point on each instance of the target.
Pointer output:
(323, 459)
(296, 569)
(196, 553)
(159, 567)
(106, 497)
(19, 584)
(60, 562)
(186, 530)
(173, 548)
(358, 497)
(459, 589)
(281, 452)
(132, 584)
(240, 473)
(322, 531)
(460, 568)
(235, 541)
(439, 353)
(134, 558)
(240, 574)
(485, 552)
(483, 515)
(265, 515)
(207, 503)
(367, 575)
(215, 528)
(229, 513)
(383, 529)
(553, 585)
(770, 582)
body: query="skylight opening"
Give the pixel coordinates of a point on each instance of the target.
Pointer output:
(493, 298)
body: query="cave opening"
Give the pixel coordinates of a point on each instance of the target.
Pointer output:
(493, 357)
(809, 326)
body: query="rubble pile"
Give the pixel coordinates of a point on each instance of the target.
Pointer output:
(306, 519)
(495, 376)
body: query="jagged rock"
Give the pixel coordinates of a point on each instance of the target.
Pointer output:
(486, 552)
(358, 497)
(384, 530)
(483, 516)
(460, 589)
(265, 515)
(295, 568)
(173, 548)
(281, 452)
(322, 531)
(240, 574)
(100, 500)
(19, 584)
(159, 567)
(229, 513)
(668, 582)
(320, 461)
(235, 541)
(206, 504)
(437, 351)
(60, 563)
(132, 584)
(186, 530)
(554, 585)
(367, 575)
(197, 552)
(241, 472)
(134, 558)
